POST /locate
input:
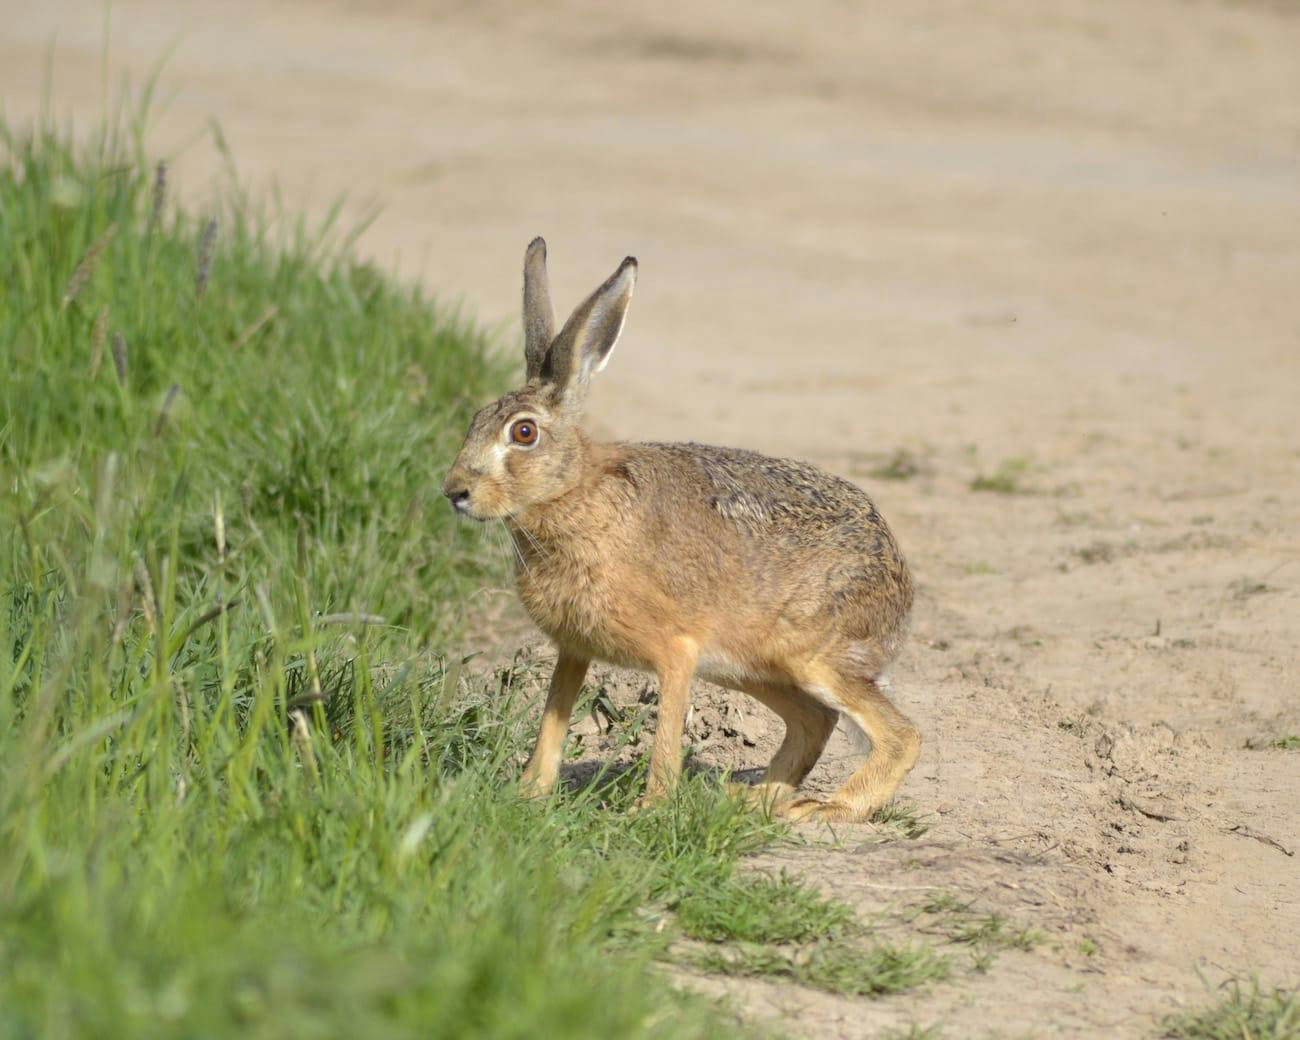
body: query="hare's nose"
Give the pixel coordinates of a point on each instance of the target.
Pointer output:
(459, 498)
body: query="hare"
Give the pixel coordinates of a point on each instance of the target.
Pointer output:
(763, 575)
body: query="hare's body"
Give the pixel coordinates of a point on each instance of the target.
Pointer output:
(765, 564)
(764, 575)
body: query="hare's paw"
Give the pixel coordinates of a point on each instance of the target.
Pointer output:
(647, 801)
(531, 785)
(810, 809)
(765, 797)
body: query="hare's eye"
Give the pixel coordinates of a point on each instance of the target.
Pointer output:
(523, 431)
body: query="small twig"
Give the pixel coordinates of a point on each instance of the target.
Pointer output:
(1127, 801)
(219, 529)
(211, 614)
(147, 602)
(1250, 832)
(351, 619)
(302, 739)
(125, 596)
(903, 888)
(266, 317)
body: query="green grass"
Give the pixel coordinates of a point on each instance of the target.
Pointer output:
(778, 928)
(985, 934)
(902, 465)
(756, 909)
(1007, 479)
(241, 788)
(1284, 742)
(995, 931)
(847, 969)
(901, 817)
(1244, 1011)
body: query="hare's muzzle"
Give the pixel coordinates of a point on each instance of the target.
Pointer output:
(458, 496)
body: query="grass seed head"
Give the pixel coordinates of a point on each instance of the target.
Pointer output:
(81, 274)
(205, 258)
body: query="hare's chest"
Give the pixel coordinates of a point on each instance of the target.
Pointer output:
(567, 598)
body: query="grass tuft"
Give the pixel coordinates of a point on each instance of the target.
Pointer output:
(985, 934)
(993, 931)
(1245, 1011)
(1005, 480)
(902, 465)
(901, 817)
(758, 909)
(848, 970)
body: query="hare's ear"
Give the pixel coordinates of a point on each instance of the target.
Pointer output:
(588, 337)
(539, 318)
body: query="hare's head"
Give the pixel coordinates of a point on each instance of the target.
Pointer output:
(526, 448)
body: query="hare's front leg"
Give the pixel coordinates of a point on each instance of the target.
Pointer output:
(674, 673)
(543, 767)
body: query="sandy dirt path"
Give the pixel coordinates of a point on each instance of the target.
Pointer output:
(1060, 242)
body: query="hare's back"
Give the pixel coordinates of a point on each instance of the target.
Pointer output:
(790, 502)
(802, 548)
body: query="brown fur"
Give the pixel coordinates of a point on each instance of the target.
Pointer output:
(765, 575)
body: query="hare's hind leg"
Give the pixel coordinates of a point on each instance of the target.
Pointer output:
(808, 727)
(543, 767)
(895, 746)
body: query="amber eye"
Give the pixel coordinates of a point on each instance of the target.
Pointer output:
(523, 431)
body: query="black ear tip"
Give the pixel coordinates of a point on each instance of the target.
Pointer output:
(536, 244)
(628, 261)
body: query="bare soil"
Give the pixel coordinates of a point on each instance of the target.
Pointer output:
(1053, 246)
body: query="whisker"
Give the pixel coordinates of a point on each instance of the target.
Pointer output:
(523, 562)
(532, 540)
(489, 533)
